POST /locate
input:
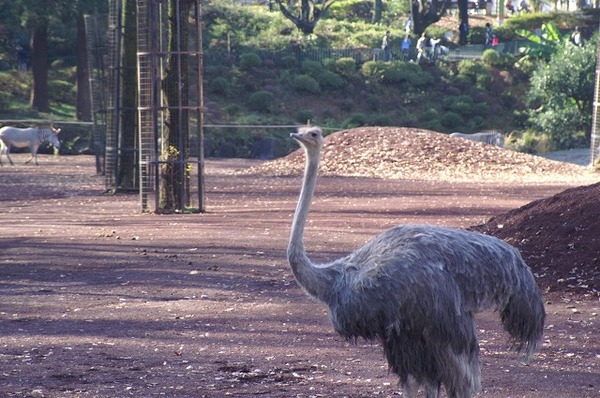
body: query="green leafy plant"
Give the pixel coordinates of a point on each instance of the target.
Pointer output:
(261, 101)
(541, 46)
(306, 83)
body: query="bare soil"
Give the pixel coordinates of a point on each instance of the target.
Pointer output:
(99, 300)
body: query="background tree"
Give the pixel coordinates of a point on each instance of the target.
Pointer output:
(84, 105)
(562, 92)
(425, 13)
(36, 17)
(377, 10)
(128, 129)
(307, 16)
(173, 172)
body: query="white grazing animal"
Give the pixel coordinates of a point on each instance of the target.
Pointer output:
(31, 138)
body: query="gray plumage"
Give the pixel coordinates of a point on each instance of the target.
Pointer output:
(415, 288)
(492, 137)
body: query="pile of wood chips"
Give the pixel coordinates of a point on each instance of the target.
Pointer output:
(410, 153)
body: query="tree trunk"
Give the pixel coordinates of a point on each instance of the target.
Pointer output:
(127, 159)
(377, 10)
(84, 101)
(426, 13)
(463, 11)
(175, 92)
(39, 68)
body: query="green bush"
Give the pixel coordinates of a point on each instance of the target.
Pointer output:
(326, 78)
(329, 80)
(410, 75)
(61, 91)
(219, 85)
(249, 61)
(262, 101)
(233, 109)
(430, 114)
(356, 120)
(303, 115)
(491, 57)
(529, 141)
(311, 68)
(345, 66)
(4, 101)
(305, 83)
(472, 72)
(452, 121)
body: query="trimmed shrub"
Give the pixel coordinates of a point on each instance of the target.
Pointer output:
(346, 66)
(311, 68)
(410, 75)
(305, 83)
(491, 57)
(219, 85)
(261, 101)
(472, 72)
(329, 80)
(250, 61)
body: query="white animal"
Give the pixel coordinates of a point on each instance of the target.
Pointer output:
(492, 137)
(31, 138)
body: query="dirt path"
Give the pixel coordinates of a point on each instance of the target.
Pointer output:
(98, 300)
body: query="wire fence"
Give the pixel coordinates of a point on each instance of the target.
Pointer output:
(289, 56)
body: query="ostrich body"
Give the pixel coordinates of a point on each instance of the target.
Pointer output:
(415, 288)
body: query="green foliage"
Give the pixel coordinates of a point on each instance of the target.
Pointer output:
(356, 120)
(233, 109)
(541, 46)
(15, 83)
(561, 94)
(327, 79)
(407, 74)
(4, 101)
(474, 73)
(303, 115)
(219, 85)
(491, 57)
(262, 101)
(452, 121)
(529, 141)
(249, 61)
(346, 66)
(306, 83)
(250, 27)
(61, 91)
(352, 10)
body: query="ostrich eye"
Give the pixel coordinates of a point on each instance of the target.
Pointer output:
(314, 135)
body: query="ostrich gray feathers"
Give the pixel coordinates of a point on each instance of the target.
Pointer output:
(415, 288)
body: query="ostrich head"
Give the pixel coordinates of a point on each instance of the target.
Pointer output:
(311, 138)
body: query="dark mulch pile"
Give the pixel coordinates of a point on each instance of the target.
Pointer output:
(558, 237)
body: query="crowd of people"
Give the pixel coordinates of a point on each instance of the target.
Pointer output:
(428, 49)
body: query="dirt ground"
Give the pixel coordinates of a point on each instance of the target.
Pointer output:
(99, 300)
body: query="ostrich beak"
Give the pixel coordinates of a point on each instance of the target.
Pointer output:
(298, 137)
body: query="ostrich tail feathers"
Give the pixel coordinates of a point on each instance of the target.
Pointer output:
(523, 318)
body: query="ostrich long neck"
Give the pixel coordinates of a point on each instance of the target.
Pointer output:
(315, 280)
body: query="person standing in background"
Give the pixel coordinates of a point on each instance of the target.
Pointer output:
(386, 46)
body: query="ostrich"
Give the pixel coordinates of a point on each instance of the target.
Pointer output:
(415, 288)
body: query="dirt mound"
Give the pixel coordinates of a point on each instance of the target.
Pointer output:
(557, 237)
(407, 153)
